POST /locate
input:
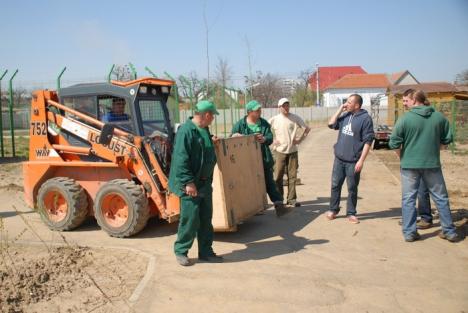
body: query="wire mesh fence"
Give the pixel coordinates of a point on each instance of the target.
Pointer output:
(232, 111)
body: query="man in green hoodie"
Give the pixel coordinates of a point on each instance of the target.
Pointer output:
(190, 178)
(419, 134)
(253, 124)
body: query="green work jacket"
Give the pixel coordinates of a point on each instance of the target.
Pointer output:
(191, 161)
(265, 129)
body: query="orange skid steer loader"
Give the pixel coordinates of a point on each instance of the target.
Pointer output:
(101, 149)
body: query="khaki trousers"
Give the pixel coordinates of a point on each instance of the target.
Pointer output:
(286, 164)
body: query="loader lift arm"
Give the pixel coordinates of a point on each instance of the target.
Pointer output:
(119, 156)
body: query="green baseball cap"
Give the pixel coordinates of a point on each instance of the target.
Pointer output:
(206, 106)
(253, 106)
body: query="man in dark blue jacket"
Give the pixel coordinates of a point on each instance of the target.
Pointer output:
(356, 133)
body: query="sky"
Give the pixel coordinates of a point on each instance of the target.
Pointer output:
(427, 37)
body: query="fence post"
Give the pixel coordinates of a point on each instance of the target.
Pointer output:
(110, 73)
(133, 70)
(213, 89)
(150, 71)
(176, 96)
(60, 77)
(454, 126)
(1, 114)
(12, 128)
(185, 81)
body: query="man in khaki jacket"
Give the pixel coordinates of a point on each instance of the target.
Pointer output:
(285, 126)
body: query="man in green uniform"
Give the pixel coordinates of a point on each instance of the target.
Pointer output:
(253, 124)
(190, 178)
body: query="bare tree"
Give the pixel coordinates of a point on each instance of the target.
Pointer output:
(191, 87)
(303, 94)
(462, 78)
(249, 56)
(122, 73)
(21, 96)
(267, 89)
(223, 72)
(207, 31)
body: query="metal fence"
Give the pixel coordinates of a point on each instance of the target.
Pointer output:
(455, 111)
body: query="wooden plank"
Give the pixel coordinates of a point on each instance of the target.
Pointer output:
(239, 183)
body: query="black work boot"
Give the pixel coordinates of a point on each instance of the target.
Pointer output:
(294, 203)
(281, 209)
(210, 258)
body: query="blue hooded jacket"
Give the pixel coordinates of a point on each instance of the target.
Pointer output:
(355, 130)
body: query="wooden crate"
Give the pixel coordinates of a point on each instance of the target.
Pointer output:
(238, 183)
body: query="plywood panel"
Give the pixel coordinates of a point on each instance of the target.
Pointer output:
(239, 183)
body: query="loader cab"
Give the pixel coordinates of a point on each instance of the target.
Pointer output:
(138, 107)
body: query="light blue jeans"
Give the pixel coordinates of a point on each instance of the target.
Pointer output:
(435, 183)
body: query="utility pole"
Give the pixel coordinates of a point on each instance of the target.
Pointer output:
(318, 88)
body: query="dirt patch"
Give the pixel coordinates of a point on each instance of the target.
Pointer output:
(66, 279)
(12, 187)
(11, 174)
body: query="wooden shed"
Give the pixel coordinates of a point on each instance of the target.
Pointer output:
(437, 92)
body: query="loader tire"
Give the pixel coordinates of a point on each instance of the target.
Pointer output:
(121, 208)
(62, 203)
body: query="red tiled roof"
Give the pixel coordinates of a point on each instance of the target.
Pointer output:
(430, 87)
(330, 74)
(361, 81)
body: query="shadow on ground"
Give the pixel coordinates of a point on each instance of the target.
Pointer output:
(255, 232)
(393, 213)
(14, 213)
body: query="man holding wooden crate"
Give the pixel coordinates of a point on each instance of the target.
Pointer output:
(190, 178)
(253, 124)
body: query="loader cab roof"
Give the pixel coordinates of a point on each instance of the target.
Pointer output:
(116, 88)
(145, 103)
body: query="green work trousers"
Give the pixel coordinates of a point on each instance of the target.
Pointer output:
(287, 164)
(195, 221)
(271, 188)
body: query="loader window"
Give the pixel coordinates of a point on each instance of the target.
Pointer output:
(86, 105)
(115, 111)
(153, 117)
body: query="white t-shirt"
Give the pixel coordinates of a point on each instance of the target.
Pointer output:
(285, 128)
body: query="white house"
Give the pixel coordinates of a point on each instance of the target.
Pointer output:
(369, 86)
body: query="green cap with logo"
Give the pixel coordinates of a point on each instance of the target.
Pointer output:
(206, 106)
(253, 106)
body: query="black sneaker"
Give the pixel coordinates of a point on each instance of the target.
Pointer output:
(451, 238)
(281, 210)
(423, 224)
(412, 237)
(211, 259)
(182, 260)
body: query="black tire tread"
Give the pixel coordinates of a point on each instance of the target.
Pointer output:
(141, 211)
(78, 205)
